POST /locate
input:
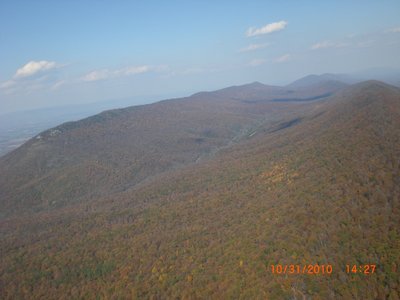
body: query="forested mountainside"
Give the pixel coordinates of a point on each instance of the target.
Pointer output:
(303, 183)
(117, 149)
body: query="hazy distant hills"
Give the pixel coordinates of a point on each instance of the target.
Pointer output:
(388, 76)
(323, 78)
(18, 127)
(196, 198)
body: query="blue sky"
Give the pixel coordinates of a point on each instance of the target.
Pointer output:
(69, 52)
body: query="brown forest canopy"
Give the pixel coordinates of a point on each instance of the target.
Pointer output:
(198, 197)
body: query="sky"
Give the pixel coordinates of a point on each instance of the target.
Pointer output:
(55, 53)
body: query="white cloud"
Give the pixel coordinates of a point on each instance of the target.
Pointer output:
(253, 47)
(132, 70)
(257, 62)
(269, 28)
(58, 84)
(7, 84)
(25, 78)
(97, 75)
(34, 67)
(327, 44)
(394, 30)
(283, 58)
(24, 86)
(194, 70)
(321, 45)
(127, 71)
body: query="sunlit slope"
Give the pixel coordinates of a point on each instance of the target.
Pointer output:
(115, 150)
(321, 190)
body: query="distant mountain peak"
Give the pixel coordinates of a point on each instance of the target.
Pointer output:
(370, 85)
(256, 84)
(314, 79)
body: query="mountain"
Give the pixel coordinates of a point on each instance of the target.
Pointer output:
(18, 127)
(387, 75)
(294, 183)
(117, 149)
(313, 79)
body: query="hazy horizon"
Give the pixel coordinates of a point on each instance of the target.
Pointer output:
(58, 54)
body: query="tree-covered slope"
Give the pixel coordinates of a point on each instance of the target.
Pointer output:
(321, 187)
(112, 151)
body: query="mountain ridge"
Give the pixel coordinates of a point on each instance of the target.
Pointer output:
(108, 146)
(317, 186)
